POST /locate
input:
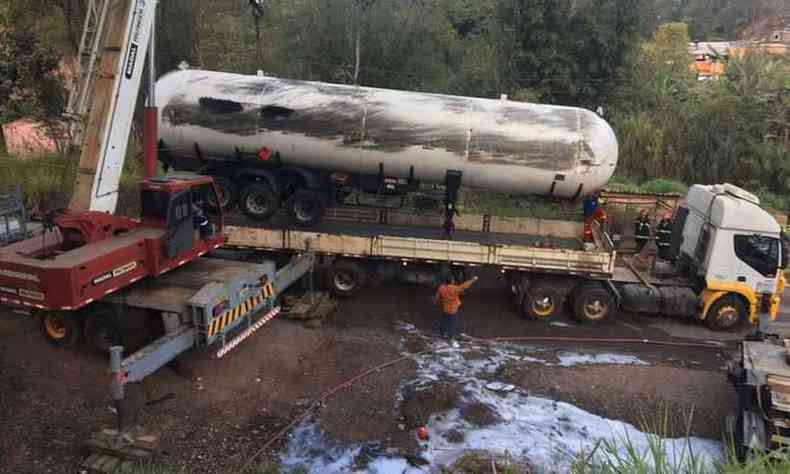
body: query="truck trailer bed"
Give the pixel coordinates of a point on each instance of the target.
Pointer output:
(423, 244)
(364, 229)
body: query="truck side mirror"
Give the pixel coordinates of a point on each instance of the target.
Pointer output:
(785, 250)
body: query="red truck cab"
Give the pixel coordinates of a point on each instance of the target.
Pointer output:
(81, 257)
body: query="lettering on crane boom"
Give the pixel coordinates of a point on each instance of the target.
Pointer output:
(122, 270)
(137, 27)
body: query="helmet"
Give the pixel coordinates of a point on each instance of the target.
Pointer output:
(643, 212)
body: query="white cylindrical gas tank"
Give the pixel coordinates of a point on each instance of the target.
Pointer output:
(499, 145)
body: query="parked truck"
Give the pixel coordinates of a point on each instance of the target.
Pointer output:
(727, 261)
(269, 141)
(760, 374)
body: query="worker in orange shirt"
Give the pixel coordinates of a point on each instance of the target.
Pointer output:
(448, 297)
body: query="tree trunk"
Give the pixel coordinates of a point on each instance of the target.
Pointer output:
(356, 64)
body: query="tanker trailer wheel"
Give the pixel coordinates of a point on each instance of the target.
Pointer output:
(60, 328)
(101, 331)
(725, 313)
(541, 303)
(346, 278)
(226, 194)
(591, 304)
(259, 202)
(305, 208)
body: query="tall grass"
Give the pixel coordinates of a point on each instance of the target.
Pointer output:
(621, 456)
(47, 181)
(653, 186)
(507, 205)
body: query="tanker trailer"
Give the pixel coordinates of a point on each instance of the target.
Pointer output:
(269, 141)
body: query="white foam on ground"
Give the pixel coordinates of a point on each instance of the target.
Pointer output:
(570, 359)
(546, 434)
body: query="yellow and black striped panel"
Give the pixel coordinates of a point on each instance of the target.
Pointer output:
(219, 323)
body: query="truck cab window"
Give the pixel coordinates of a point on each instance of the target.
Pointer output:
(759, 252)
(154, 204)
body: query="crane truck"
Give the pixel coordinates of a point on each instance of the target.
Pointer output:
(141, 283)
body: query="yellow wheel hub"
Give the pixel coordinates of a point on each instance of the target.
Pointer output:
(543, 307)
(727, 314)
(55, 324)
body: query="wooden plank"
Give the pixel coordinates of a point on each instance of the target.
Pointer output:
(102, 99)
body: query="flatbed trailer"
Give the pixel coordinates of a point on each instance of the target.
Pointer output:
(544, 262)
(352, 253)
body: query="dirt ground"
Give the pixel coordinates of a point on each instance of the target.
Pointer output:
(219, 412)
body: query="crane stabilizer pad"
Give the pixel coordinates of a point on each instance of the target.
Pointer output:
(233, 343)
(110, 451)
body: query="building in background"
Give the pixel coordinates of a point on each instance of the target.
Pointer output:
(710, 57)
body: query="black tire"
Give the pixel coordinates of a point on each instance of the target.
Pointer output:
(346, 278)
(227, 191)
(259, 202)
(591, 304)
(734, 431)
(541, 302)
(60, 328)
(570, 301)
(305, 208)
(726, 313)
(101, 330)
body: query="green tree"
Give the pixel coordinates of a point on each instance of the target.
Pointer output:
(178, 36)
(29, 83)
(564, 51)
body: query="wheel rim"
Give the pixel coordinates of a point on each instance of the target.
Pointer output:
(727, 316)
(304, 209)
(595, 309)
(55, 325)
(257, 203)
(543, 306)
(344, 282)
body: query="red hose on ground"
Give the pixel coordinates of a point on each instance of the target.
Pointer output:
(614, 340)
(348, 383)
(322, 398)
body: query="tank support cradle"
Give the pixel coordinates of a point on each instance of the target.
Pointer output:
(452, 183)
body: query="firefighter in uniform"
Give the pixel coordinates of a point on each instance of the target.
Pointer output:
(641, 229)
(664, 236)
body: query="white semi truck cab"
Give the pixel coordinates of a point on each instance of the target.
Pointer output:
(734, 248)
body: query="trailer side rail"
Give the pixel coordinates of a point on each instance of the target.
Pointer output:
(597, 263)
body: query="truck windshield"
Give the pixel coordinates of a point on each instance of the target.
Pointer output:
(759, 252)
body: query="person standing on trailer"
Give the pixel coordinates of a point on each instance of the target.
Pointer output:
(641, 229)
(664, 236)
(448, 297)
(590, 204)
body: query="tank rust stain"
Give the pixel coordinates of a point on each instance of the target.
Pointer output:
(342, 121)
